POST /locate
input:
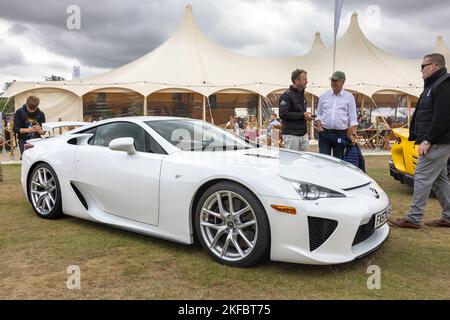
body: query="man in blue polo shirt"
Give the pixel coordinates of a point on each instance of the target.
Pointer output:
(336, 118)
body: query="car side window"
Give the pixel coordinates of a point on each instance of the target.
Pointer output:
(143, 142)
(110, 131)
(152, 146)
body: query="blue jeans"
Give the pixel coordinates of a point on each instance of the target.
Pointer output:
(333, 141)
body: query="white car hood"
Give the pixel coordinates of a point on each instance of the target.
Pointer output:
(299, 166)
(318, 169)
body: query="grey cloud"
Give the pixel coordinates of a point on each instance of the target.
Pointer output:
(18, 29)
(116, 32)
(112, 32)
(409, 28)
(10, 56)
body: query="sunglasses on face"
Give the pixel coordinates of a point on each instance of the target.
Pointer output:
(425, 65)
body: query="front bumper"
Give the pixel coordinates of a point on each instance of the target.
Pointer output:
(25, 168)
(401, 176)
(348, 231)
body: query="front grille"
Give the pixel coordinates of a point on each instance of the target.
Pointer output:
(319, 231)
(365, 231)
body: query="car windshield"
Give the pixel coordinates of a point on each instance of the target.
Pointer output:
(193, 135)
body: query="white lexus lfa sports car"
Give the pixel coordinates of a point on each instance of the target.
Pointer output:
(182, 179)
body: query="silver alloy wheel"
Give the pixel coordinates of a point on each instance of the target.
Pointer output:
(43, 191)
(228, 225)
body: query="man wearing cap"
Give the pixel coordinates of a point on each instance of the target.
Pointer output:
(336, 118)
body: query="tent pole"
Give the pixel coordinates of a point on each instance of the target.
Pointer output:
(145, 106)
(81, 110)
(204, 109)
(362, 105)
(12, 140)
(396, 108)
(312, 112)
(260, 112)
(334, 53)
(408, 101)
(6, 105)
(210, 111)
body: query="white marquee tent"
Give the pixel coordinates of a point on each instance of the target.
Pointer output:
(189, 62)
(442, 48)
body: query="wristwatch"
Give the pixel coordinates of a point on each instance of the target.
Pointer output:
(425, 142)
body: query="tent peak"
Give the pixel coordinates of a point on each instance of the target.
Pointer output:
(188, 25)
(440, 41)
(354, 30)
(440, 46)
(354, 20)
(354, 26)
(317, 44)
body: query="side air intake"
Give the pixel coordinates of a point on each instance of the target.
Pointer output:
(319, 231)
(80, 196)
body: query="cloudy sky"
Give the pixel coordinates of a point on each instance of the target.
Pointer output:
(35, 40)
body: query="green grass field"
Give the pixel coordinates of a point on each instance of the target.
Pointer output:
(116, 264)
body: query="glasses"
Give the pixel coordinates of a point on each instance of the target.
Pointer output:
(425, 65)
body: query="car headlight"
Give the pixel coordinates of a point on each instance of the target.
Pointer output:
(309, 191)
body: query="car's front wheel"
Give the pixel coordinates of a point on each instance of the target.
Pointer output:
(232, 225)
(44, 192)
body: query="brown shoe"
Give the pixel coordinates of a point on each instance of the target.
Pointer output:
(402, 223)
(438, 223)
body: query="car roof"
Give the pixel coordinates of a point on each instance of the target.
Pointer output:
(147, 118)
(139, 119)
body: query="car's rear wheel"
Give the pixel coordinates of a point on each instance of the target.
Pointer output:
(44, 192)
(232, 225)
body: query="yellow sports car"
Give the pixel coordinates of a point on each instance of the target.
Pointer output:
(404, 157)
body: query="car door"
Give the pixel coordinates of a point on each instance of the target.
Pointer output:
(121, 184)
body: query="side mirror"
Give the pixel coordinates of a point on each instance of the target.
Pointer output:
(123, 144)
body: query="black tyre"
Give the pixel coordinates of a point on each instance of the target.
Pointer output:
(44, 192)
(232, 225)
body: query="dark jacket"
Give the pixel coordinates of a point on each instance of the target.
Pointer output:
(431, 119)
(292, 109)
(25, 119)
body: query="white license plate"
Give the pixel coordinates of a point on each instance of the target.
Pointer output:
(382, 217)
